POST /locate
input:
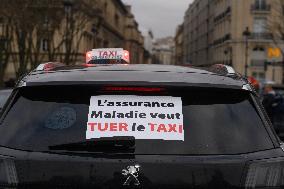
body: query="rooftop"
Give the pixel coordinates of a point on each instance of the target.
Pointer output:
(135, 74)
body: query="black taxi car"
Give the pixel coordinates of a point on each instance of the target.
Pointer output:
(137, 126)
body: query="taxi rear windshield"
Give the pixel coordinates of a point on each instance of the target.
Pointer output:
(214, 121)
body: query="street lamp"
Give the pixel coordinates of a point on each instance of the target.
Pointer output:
(246, 34)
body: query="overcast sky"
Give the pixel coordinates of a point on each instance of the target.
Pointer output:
(162, 16)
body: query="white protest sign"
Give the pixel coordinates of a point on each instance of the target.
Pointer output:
(143, 117)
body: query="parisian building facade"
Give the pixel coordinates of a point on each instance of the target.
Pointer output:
(108, 24)
(179, 50)
(164, 51)
(239, 33)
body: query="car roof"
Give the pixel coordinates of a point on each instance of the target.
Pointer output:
(132, 73)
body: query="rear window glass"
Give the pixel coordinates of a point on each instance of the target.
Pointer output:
(214, 121)
(4, 95)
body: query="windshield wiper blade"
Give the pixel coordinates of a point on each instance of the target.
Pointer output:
(109, 145)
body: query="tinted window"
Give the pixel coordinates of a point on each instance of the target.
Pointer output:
(4, 95)
(279, 90)
(215, 122)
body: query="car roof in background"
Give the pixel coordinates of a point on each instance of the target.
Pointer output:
(278, 86)
(135, 73)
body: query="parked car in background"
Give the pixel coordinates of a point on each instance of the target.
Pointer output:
(279, 89)
(279, 109)
(272, 96)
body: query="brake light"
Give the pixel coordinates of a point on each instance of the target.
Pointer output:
(136, 89)
(265, 173)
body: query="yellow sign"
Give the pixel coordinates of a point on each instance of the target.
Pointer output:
(274, 52)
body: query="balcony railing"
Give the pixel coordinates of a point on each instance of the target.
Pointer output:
(260, 8)
(261, 36)
(222, 15)
(222, 40)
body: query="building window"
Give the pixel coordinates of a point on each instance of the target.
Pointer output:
(261, 75)
(254, 74)
(258, 75)
(2, 27)
(44, 45)
(258, 48)
(260, 4)
(105, 7)
(116, 19)
(258, 57)
(45, 21)
(258, 53)
(260, 25)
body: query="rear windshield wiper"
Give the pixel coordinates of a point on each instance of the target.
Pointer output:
(108, 145)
